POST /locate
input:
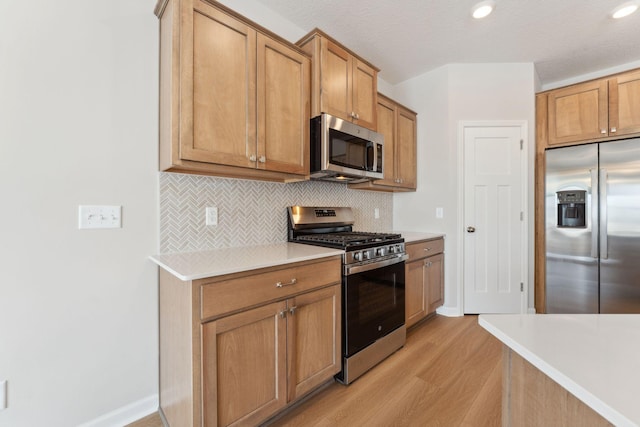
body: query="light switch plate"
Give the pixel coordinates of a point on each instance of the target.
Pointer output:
(439, 213)
(94, 216)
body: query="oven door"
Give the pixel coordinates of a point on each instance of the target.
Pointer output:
(373, 305)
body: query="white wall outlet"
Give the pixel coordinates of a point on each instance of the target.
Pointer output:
(439, 213)
(3, 395)
(99, 216)
(376, 213)
(211, 215)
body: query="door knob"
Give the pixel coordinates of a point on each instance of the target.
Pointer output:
(471, 229)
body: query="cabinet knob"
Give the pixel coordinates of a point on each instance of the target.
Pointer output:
(282, 314)
(262, 159)
(252, 158)
(471, 229)
(293, 309)
(613, 130)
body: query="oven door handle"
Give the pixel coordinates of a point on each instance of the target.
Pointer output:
(354, 269)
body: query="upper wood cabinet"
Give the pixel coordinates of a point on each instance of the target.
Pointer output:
(624, 104)
(343, 84)
(398, 125)
(234, 98)
(606, 108)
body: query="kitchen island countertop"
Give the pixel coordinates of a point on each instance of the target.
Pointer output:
(596, 357)
(217, 262)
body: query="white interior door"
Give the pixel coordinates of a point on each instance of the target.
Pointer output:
(494, 229)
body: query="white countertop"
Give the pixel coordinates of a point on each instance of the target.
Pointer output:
(416, 236)
(216, 262)
(596, 357)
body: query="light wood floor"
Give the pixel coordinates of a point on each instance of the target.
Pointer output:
(449, 373)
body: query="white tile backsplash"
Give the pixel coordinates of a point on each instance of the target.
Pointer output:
(252, 212)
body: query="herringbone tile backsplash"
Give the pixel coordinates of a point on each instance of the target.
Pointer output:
(252, 212)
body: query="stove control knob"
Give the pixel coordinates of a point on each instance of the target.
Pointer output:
(357, 256)
(393, 249)
(367, 255)
(381, 252)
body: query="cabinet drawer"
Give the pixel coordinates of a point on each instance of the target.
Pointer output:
(424, 249)
(246, 291)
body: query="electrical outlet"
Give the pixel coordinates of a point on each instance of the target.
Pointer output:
(3, 395)
(211, 215)
(439, 213)
(376, 213)
(99, 216)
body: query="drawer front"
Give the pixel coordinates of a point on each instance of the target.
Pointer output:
(424, 249)
(254, 289)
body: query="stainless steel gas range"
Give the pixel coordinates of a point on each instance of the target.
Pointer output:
(373, 284)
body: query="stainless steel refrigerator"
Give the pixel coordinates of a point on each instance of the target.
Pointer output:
(592, 216)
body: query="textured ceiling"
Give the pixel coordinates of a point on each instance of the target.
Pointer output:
(406, 38)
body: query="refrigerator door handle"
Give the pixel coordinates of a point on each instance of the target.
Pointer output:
(594, 213)
(604, 250)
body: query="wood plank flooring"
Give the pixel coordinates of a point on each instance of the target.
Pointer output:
(449, 373)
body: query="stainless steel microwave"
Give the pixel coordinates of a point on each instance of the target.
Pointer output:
(345, 152)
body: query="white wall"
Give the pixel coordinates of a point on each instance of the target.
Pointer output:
(78, 125)
(442, 98)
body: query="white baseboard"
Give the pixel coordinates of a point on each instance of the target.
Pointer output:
(449, 311)
(126, 414)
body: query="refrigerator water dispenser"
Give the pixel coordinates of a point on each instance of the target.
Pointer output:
(571, 208)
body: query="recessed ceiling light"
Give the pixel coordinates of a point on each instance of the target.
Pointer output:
(625, 9)
(483, 9)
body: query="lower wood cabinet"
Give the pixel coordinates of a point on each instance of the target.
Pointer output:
(424, 279)
(244, 366)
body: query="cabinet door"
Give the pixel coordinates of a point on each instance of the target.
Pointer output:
(218, 124)
(406, 147)
(283, 107)
(387, 127)
(314, 330)
(435, 282)
(243, 367)
(415, 292)
(336, 84)
(624, 104)
(365, 90)
(578, 113)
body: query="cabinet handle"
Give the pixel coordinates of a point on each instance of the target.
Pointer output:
(292, 282)
(613, 130)
(252, 158)
(429, 264)
(357, 116)
(262, 159)
(427, 249)
(283, 314)
(603, 131)
(293, 309)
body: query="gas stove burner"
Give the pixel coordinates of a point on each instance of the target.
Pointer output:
(348, 238)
